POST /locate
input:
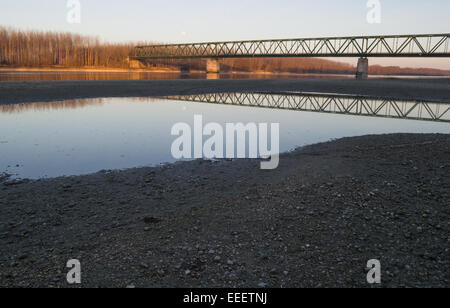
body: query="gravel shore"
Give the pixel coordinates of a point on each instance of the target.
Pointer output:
(313, 222)
(45, 91)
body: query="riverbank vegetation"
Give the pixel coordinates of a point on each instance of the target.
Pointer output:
(44, 49)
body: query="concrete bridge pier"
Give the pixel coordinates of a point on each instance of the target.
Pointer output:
(362, 71)
(135, 64)
(212, 66)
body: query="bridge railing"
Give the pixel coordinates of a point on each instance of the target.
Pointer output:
(427, 45)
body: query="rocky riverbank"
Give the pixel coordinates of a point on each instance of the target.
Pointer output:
(313, 222)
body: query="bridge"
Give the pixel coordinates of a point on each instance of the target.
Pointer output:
(362, 47)
(333, 104)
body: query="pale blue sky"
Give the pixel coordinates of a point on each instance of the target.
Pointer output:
(212, 20)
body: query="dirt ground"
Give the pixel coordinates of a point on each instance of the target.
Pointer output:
(313, 222)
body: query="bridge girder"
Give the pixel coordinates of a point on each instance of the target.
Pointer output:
(425, 45)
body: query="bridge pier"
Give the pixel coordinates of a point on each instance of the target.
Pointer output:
(135, 64)
(362, 71)
(212, 66)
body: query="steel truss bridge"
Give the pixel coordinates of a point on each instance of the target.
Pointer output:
(426, 45)
(333, 104)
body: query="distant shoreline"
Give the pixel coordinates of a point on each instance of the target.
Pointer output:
(170, 71)
(84, 70)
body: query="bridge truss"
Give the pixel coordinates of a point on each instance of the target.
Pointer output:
(427, 45)
(335, 104)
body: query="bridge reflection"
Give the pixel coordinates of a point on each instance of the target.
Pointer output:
(308, 102)
(334, 104)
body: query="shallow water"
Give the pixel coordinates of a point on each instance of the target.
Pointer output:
(67, 76)
(56, 76)
(84, 136)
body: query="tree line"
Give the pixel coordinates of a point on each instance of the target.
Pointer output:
(287, 65)
(39, 49)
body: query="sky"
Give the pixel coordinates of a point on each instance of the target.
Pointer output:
(178, 21)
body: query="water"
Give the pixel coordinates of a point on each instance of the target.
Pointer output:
(73, 75)
(84, 136)
(68, 75)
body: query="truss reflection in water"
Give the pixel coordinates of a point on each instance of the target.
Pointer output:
(338, 104)
(310, 102)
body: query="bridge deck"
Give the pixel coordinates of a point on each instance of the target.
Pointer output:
(426, 45)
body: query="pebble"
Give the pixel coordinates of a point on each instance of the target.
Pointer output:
(264, 256)
(262, 285)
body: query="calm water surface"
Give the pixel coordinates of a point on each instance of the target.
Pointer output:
(84, 136)
(55, 76)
